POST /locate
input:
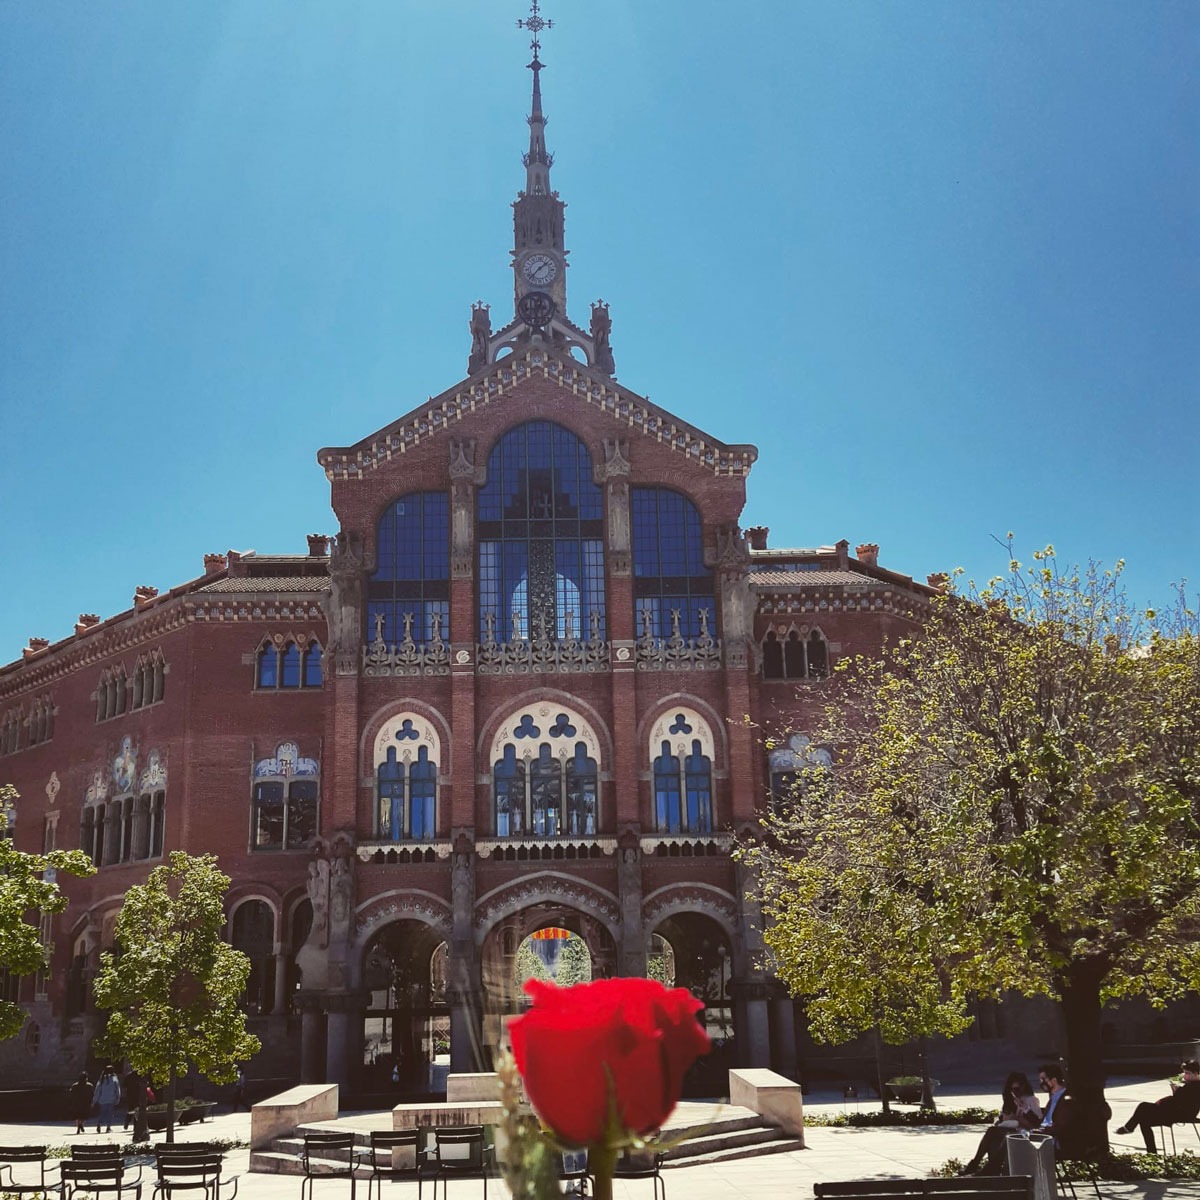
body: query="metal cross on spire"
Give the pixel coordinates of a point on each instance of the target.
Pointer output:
(535, 23)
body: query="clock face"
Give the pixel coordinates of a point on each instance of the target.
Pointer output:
(539, 269)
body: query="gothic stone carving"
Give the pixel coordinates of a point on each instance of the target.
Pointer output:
(346, 601)
(462, 491)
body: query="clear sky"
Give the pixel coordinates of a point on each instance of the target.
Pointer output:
(939, 261)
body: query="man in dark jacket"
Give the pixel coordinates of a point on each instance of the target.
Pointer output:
(1183, 1104)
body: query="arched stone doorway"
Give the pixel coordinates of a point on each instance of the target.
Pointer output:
(691, 950)
(505, 963)
(406, 1025)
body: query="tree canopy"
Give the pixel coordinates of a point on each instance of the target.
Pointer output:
(172, 984)
(27, 885)
(1015, 805)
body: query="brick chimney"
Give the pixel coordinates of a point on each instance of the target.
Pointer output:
(86, 621)
(318, 545)
(214, 564)
(842, 546)
(35, 647)
(867, 554)
(757, 535)
(939, 581)
(143, 594)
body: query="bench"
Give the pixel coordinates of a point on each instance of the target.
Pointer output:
(969, 1187)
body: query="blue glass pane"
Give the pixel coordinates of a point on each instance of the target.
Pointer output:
(668, 563)
(412, 572)
(509, 783)
(268, 667)
(423, 789)
(698, 777)
(540, 534)
(667, 815)
(289, 670)
(312, 666)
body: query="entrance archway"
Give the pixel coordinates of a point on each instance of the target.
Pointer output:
(508, 956)
(691, 950)
(406, 1026)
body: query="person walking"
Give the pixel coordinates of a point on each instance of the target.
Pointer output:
(106, 1097)
(81, 1101)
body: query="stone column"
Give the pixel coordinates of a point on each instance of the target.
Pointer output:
(464, 991)
(463, 636)
(312, 1043)
(754, 1034)
(750, 984)
(783, 1036)
(632, 951)
(279, 1005)
(342, 1037)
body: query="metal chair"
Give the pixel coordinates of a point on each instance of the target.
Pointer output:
(184, 1169)
(460, 1153)
(96, 1176)
(387, 1158)
(22, 1169)
(573, 1171)
(642, 1164)
(319, 1146)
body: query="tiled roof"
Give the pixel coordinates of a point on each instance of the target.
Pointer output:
(269, 583)
(799, 579)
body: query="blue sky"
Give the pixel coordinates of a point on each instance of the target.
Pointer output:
(939, 261)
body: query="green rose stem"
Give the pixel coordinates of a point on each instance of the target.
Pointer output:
(602, 1160)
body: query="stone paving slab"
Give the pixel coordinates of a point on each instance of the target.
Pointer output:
(831, 1153)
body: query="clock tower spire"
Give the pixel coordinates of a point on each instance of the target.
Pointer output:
(539, 259)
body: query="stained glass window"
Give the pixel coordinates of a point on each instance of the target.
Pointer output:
(412, 572)
(683, 791)
(407, 797)
(541, 530)
(668, 564)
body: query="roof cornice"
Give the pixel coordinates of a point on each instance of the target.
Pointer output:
(495, 383)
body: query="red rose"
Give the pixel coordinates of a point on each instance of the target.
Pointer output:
(644, 1034)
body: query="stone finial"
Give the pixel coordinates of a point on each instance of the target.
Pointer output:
(36, 646)
(318, 545)
(939, 581)
(86, 621)
(867, 553)
(481, 333)
(214, 563)
(143, 594)
(757, 535)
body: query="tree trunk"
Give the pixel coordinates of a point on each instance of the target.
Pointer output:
(926, 1083)
(877, 1038)
(1080, 1004)
(171, 1106)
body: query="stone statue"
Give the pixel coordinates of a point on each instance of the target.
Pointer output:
(481, 332)
(602, 355)
(341, 894)
(318, 894)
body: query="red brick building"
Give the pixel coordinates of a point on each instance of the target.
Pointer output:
(524, 688)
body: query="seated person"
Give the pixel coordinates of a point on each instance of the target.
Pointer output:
(1056, 1116)
(1019, 1110)
(1183, 1104)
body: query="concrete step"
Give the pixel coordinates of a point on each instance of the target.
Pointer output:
(720, 1140)
(776, 1145)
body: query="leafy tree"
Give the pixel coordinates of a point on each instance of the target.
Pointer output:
(173, 984)
(1015, 805)
(27, 886)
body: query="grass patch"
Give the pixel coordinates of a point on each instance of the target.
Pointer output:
(910, 1117)
(1112, 1168)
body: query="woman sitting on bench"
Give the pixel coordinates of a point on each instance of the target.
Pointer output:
(1019, 1110)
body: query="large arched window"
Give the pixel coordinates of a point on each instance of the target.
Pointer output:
(541, 538)
(681, 750)
(284, 797)
(407, 753)
(668, 564)
(545, 771)
(253, 933)
(410, 588)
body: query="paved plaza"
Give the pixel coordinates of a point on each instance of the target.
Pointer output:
(830, 1153)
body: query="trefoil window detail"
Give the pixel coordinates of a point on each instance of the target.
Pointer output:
(407, 755)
